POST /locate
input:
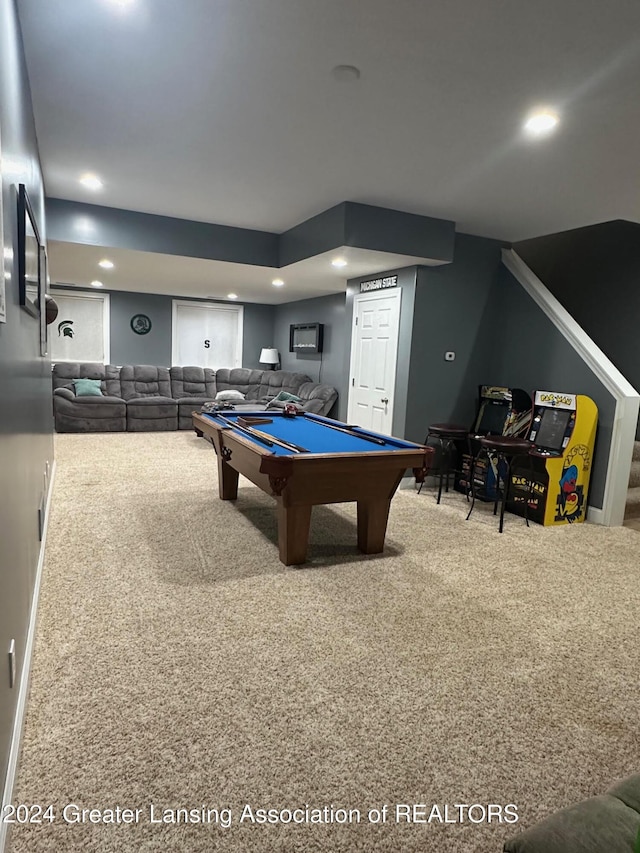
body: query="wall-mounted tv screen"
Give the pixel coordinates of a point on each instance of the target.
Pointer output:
(492, 417)
(553, 425)
(306, 337)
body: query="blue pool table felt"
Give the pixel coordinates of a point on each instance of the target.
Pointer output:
(314, 435)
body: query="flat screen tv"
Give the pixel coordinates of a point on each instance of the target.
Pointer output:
(306, 337)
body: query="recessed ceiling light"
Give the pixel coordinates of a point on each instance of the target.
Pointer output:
(84, 224)
(97, 284)
(121, 4)
(91, 181)
(105, 264)
(541, 122)
(232, 295)
(277, 282)
(338, 262)
(345, 73)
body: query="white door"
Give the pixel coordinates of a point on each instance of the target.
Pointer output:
(206, 334)
(374, 351)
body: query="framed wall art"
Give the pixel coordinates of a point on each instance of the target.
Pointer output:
(29, 274)
(3, 302)
(43, 283)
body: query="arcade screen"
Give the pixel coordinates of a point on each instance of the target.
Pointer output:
(553, 425)
(492, 418)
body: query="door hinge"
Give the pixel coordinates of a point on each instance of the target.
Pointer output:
(353, 381)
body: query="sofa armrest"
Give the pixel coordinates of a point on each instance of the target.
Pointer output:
(314, 407)
(67, 393)
(600, 823)
(316, 398)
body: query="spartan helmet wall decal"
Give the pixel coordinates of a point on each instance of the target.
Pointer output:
(64, 328)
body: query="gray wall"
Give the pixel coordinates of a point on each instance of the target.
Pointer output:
(26, 426)
(155, 347)
(449, 313)
(259, 324)
(346, 224)
(533, 355)
(327, 367)
(442, 308)
(367, 227)
(129, 348)
(595, 273)
(147, 232)
(475, 308)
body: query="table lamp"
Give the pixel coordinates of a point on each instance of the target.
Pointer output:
(269, 355)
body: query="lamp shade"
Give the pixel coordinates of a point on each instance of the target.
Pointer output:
(269, 356)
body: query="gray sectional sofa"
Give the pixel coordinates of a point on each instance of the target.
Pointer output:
(141, 398)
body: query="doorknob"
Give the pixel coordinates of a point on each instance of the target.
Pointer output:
(385, 400)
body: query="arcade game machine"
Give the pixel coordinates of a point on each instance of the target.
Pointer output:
(501, 411)
(554, 479)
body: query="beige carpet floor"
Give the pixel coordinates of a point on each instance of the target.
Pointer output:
(178, 663)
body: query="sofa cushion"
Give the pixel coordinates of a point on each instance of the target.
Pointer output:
(275, 381)
(240, 379)
(87, 388)
(63, 374)
(193, 402)
(144, 380)
(152, 407)
(193, 383)
(67, 401)
(88, 414)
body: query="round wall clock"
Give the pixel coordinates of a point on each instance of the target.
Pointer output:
(141, 324)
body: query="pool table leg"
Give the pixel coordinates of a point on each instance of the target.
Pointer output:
(227, 481)
(293, 533)
(372, 525)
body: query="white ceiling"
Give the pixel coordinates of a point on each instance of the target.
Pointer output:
(226, 111)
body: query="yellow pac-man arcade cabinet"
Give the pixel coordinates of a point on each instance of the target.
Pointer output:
(553, 479)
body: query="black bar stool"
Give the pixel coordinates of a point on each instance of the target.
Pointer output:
(447, 436)
(504, 449)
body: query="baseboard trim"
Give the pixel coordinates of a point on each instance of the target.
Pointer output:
(21, 707)
(595, 515)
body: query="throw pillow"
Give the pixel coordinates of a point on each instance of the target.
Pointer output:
(229, 395)
(286, 397)
(87, 387)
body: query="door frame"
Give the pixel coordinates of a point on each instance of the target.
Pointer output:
(385, 293)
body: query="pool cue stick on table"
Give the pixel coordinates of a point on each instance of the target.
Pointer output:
(352, 431)
(269, 440)
(244, 430)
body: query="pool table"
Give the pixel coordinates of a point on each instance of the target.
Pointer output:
(333, 463)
